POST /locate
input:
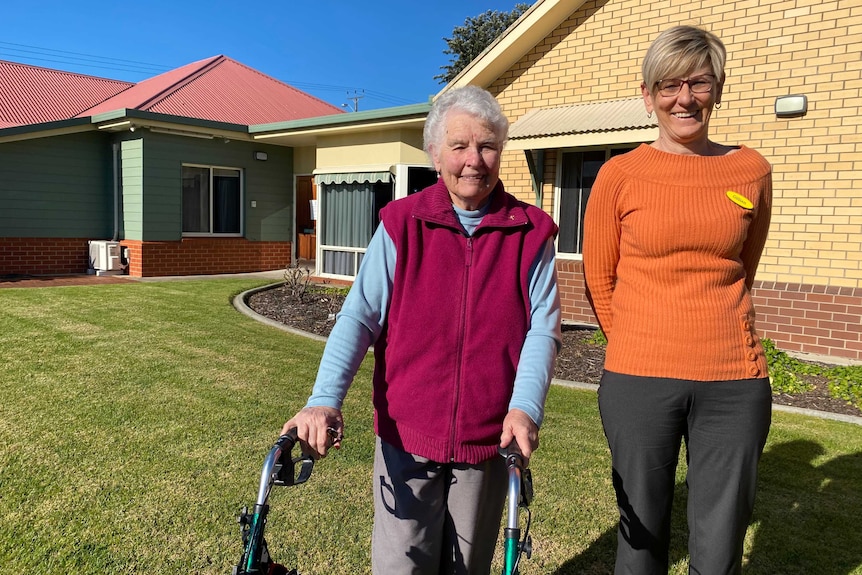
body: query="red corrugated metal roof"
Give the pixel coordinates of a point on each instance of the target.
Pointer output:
(217, 88)
(222, 89)
(139, 95)
(33, 95)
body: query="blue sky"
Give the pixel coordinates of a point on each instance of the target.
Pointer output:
(386, 51)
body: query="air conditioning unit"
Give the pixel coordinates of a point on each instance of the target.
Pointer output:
(105, 257)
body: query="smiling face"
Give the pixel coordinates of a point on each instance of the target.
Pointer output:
(683, 119)
(468, 160)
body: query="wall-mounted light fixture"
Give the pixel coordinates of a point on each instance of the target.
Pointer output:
(116, 125)
(262, 156)
(793, 105)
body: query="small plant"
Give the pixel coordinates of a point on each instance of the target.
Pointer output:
(784, 370)
(333, 296)
(297, 280)
(339, 291)
(598, 338)
(845, 382)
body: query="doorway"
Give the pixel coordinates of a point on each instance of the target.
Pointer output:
(306, 218)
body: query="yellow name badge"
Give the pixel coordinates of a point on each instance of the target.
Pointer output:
(739, 200)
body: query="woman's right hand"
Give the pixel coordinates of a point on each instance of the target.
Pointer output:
(318, 429)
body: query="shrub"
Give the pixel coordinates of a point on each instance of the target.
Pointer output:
(297, 280)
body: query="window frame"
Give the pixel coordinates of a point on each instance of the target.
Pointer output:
(402, 175)
(610, 151)
(378, 192)
(241, 201)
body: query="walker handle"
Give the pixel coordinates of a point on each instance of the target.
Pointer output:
(512, 454)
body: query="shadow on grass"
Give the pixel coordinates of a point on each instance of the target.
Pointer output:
(806, 518)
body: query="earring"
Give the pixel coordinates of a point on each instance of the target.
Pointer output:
(718, 105)
(649, 115)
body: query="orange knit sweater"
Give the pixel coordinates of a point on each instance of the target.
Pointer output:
(671, 245)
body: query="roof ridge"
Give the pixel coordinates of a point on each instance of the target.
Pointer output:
(207, 64)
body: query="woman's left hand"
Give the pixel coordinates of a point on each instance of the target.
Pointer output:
(519, 426)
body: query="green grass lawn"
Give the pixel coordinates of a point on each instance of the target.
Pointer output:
(134, 420)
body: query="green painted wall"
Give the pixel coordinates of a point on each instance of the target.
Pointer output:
(132, 186)
(270, 184)
(57, 187)
(63, 186)
(152, 184)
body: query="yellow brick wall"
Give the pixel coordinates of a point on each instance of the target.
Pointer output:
(775, 48)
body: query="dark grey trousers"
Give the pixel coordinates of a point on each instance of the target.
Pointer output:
(724, 426)
(433, 518)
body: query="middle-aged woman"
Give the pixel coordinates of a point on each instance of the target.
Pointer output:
(673, 234)
(458, 293)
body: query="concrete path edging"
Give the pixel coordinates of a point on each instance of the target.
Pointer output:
(240, 302)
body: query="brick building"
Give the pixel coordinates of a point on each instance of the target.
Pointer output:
(568, 74)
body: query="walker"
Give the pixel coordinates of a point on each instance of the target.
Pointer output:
(279, 468)
(519, 495)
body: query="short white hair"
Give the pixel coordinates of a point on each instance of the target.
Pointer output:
(472, 100)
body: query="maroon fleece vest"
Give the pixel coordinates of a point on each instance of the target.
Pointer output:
(460, 310)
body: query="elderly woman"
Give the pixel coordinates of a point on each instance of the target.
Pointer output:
(673, 234)
(458, 294)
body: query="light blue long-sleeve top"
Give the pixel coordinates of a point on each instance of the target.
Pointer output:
(363, 315)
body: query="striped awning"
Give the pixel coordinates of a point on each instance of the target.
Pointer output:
(581, 124)
(352, 177)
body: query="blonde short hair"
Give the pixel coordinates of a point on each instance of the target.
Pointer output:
(680, 50)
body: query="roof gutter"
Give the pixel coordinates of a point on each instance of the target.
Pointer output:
(44, 130)
(341, 121)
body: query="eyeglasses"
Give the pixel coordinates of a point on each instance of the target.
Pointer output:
(699, 85)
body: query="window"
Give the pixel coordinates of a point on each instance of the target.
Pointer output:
(419, 178)
(212, 201)
(349, 216)
(578, 171)
(349, 211)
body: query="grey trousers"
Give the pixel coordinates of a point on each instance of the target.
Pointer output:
(433, 518)
(724, 425)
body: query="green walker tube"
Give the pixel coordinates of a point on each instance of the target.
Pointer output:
(511, 550)
(512, 533)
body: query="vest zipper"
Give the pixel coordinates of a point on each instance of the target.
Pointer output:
(468, 262)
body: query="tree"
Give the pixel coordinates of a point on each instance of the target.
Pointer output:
(475, 35)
